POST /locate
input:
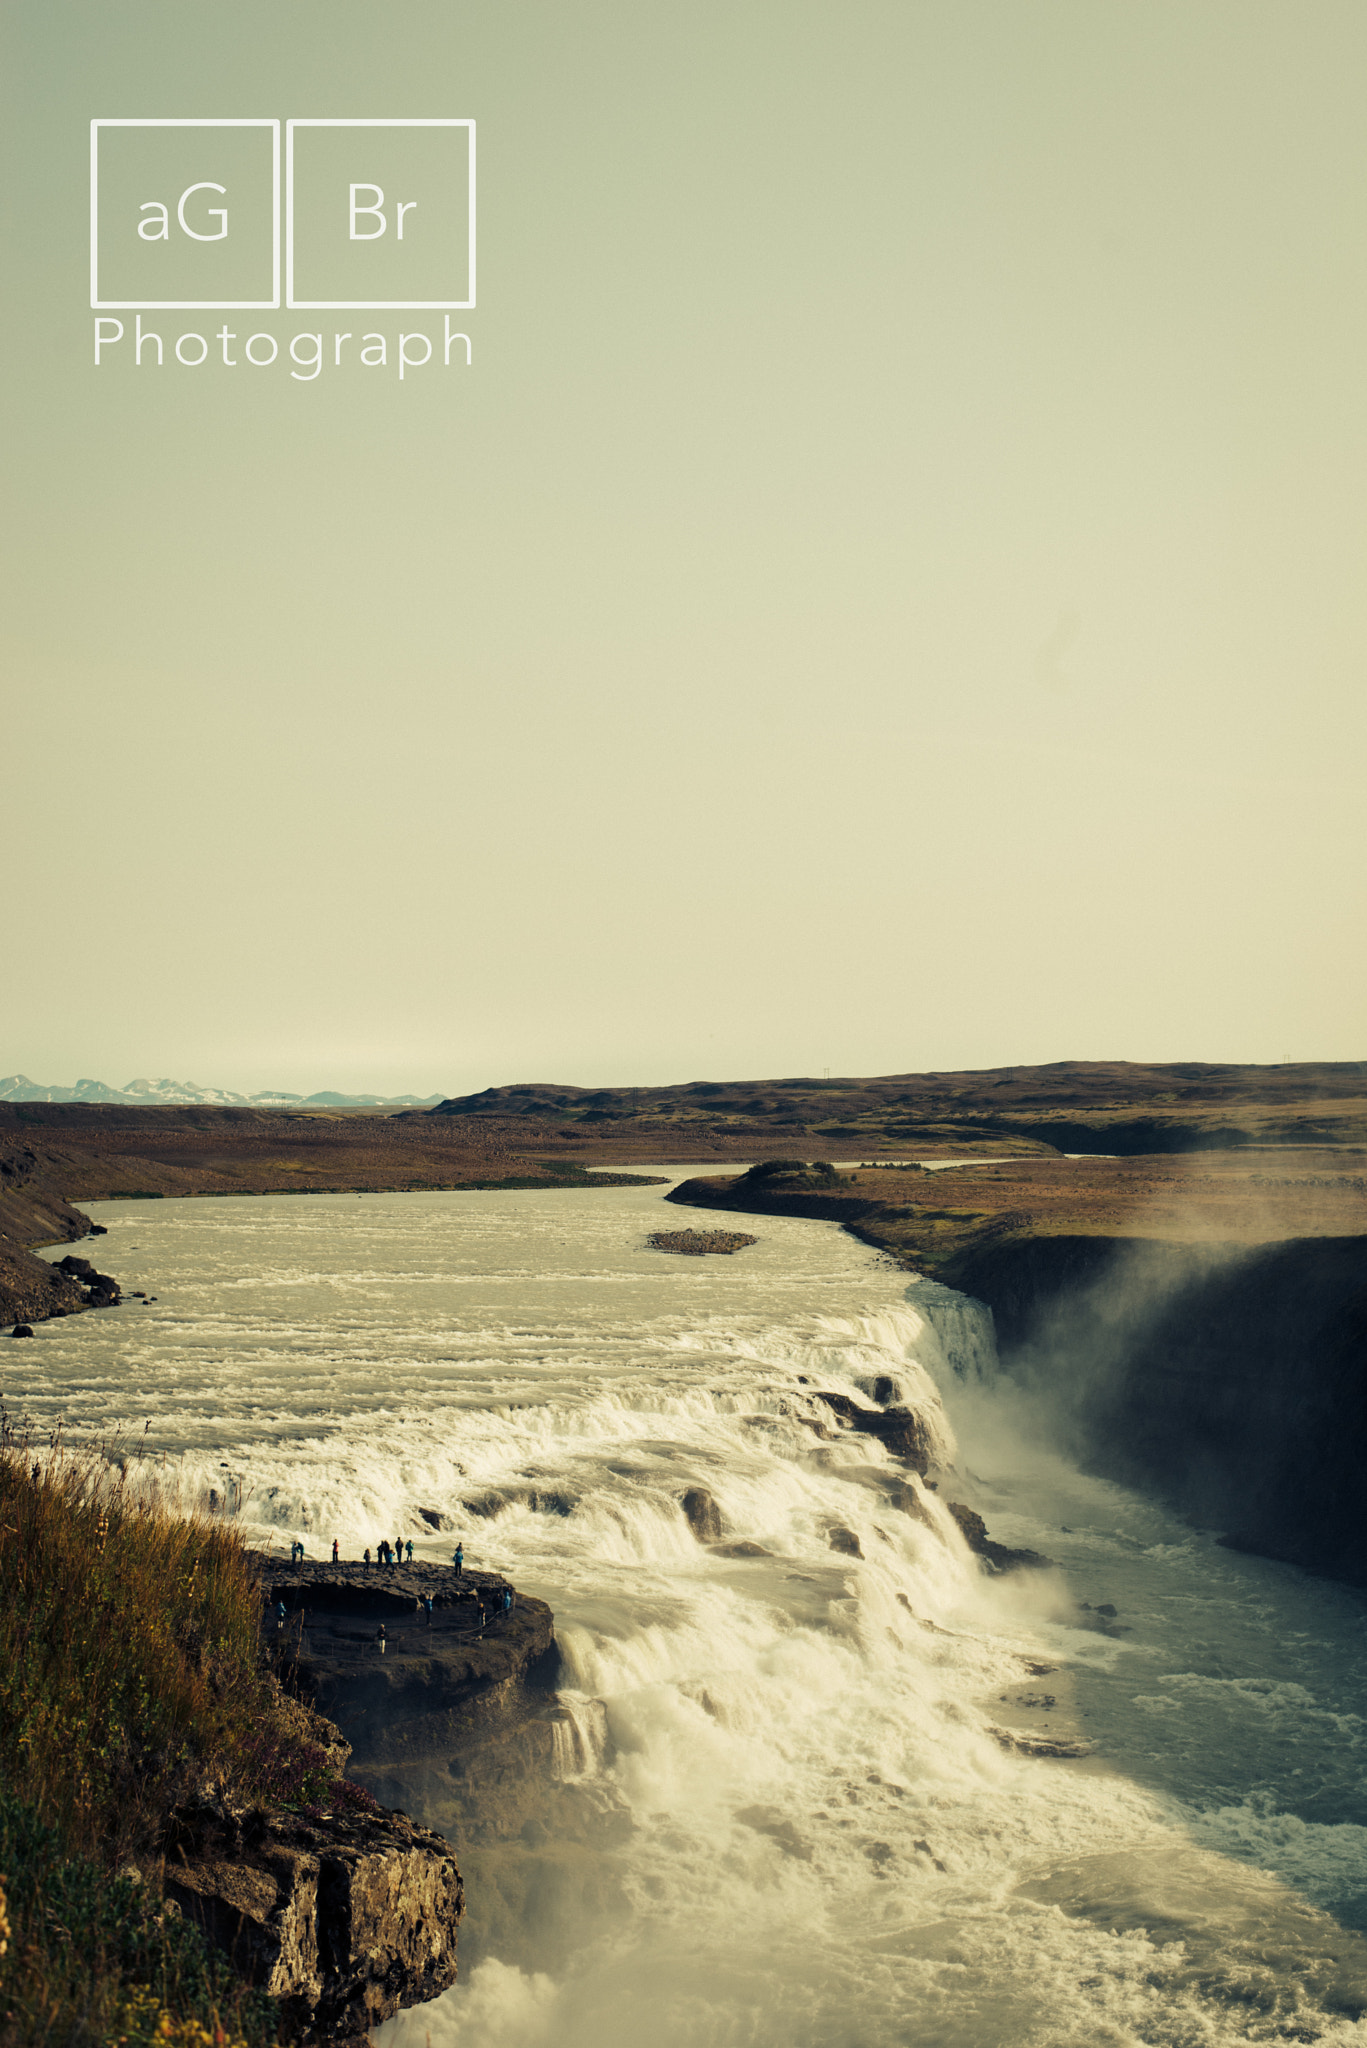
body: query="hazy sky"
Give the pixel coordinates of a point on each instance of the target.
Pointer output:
(887, 594)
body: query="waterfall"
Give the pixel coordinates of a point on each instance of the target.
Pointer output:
(814, 1778)
(579, 1734)
(958, 1330)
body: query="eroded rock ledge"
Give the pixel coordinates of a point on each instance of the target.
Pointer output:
(436, 1686)
(348, 1912)
(343, 1917)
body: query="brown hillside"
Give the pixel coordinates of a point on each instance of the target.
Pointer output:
(55, 1154)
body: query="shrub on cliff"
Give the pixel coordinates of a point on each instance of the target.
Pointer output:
(128, 1642)
(130, 1671)
(90, 1959)
(794, 1173)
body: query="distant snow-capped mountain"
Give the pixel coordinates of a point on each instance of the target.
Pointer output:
(142, 1093)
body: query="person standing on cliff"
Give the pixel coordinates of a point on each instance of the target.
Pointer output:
(458, 1559)
(336, 1553)
(398, 1551)
(366, 1555)
(409, 1548)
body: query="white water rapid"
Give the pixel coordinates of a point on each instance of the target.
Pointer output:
(778, 1814)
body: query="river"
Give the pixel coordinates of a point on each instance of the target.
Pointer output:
(789, 1804)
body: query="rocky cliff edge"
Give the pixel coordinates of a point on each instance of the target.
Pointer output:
(344, 1917)
(440, 1682)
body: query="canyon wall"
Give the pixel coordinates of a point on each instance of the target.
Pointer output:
(344, 1917)
(1232, 1379)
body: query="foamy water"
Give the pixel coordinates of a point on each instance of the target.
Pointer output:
(777, 1812)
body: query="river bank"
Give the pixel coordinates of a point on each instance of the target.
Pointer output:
(53, 1156)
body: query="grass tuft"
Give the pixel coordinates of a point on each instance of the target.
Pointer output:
(132, 1679)
(128, 1641)
(92, 1960)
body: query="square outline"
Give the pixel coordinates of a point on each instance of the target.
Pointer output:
(183, 305)
(372, 305)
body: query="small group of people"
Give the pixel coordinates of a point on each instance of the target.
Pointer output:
(386, 1553)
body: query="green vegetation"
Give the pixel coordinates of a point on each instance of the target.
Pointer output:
(91, 1959)
(793, 1173)
(132, 1679)
(128, 1642)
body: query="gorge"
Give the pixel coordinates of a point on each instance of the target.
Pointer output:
(805, 1768)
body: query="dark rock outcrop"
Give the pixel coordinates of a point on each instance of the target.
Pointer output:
(996, 1556)
(901, 1430)
(349, 1916)
(906, 1437)
(101, 1291)
(436, 1686)
(343, 1917)
(703, 1515)
(542, 1500)
(32, 1291)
